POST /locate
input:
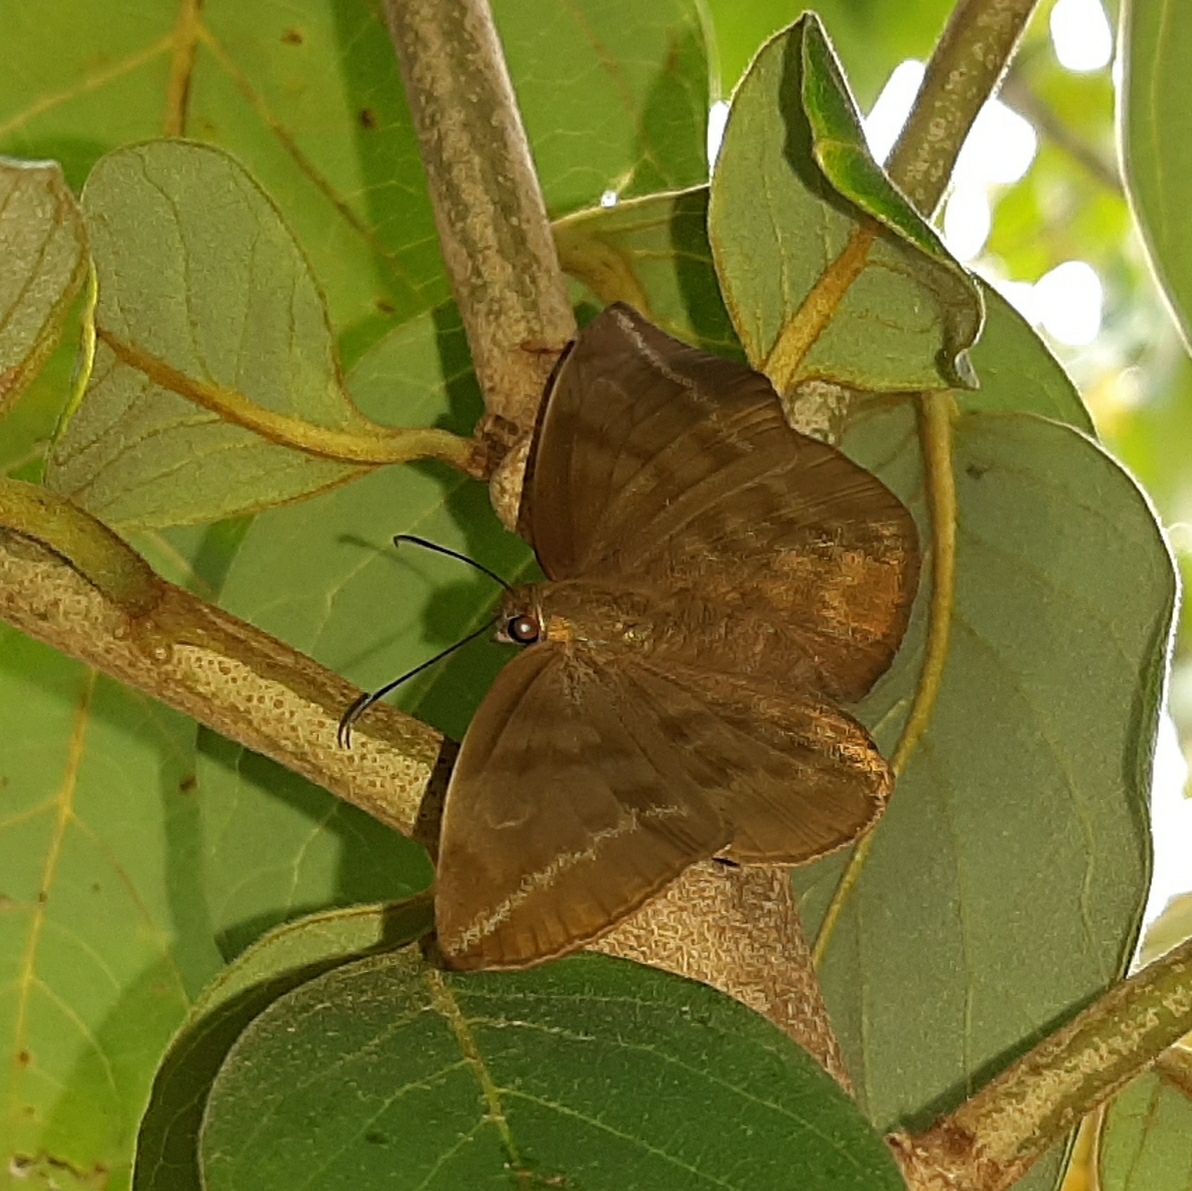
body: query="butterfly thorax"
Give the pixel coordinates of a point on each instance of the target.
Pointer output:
(668, 626)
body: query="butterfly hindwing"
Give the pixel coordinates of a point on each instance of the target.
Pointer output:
(793, 776)
(566, 811)
(657, 462)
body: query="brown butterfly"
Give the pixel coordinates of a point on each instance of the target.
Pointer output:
(717, 584)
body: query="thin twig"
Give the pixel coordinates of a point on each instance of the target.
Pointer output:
(992, 1139)
(973, 54)
(489, 211)
(1018, 94)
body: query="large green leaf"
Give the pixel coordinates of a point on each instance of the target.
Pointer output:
(1156, 99)
(309, 97)
(200, 285)
(591, 1073)
(101, 946)
(1147, 1139)
(1007, 878)
(284, 959)
(812, 241)
(44, 249)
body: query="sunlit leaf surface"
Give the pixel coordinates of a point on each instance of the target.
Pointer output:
(43, 247)
(812, 241)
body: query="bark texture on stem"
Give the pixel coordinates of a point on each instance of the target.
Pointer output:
(992, 1139)
(489, 211)
(231, 677)
(973, 53)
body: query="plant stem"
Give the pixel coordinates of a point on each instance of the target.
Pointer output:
(992, 1139)
(489, 211)
(937, 412)
(1020, 97)
(973, 53)
(67, 580)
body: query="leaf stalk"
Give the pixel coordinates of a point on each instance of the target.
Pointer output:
(371, 446)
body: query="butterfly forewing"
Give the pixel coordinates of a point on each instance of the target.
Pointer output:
(566, 811)
(660, 463)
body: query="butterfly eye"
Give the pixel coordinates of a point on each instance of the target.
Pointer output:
(523, 630)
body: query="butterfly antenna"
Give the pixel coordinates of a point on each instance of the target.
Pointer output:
(409, 537)
(366, 700)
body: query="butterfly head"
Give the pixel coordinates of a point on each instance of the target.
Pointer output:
(521, 620)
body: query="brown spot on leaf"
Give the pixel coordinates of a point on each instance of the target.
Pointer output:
(293, 37)
(368, 118)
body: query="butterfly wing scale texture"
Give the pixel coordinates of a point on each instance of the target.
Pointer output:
(566, 811)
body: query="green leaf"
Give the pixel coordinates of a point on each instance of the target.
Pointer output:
(652, 253)
(1018, 372)
(614, 94)
(814, 246)
(1156, 99)
(201, 284)
(1008, 875)
(284, 959)
(591, 1072)
(1146, 1143)
(44, 248)
(98, 833)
